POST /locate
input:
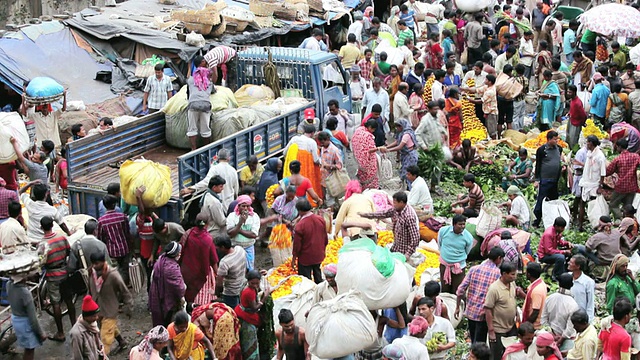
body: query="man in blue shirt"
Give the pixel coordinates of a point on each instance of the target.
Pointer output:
(599, 97)
(569, 41)
(409, 18)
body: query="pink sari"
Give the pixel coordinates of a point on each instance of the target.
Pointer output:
(361, 143)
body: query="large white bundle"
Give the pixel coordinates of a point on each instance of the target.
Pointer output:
(356, 271)
(11, 125)
(472, 5)
(552, 209)
(340, 327)
(299, 302)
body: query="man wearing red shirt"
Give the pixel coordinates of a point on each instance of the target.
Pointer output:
(9, 173)
(614, 342)
(577, 116)
(625, 165)
(309, 241)
(548, 251)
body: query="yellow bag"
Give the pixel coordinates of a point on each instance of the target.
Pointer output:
(249, 94)
(155, 177)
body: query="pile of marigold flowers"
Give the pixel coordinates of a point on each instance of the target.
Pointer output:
(541, 140)
(385, 238)
(280, 237)
(285, 288)
(432, 261)
(331, 252)
(281, 272)
(269, 195)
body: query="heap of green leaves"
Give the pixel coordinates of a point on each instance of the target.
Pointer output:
(431, 163)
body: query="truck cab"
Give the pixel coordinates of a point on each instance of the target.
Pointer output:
(304, 73)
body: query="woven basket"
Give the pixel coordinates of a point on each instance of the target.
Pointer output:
(293, 2)
(302, 11)
(219, 29)
(262, 8)
(204, 17)
(287, 12)
(43, 100)
(198, 28)
(264, 21)
(316, 5)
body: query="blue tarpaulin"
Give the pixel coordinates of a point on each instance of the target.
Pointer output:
(49, 49)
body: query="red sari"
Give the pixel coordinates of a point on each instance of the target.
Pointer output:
(361, 142)
(198, 257)
(453, 107)
(433, 55)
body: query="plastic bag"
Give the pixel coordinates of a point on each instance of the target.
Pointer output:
(364, 272)
(11, 125)
(223, 99)
(249, 94)
(340, 326)
(194, 39)
(552, 209)
(597, 208)
(176, 129)
(472, 5)
(489, 219)
(336, 182)
(153, 61)
(155, 177)
(42, 86)
(229, 122)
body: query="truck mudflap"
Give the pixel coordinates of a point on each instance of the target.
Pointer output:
(264, 140)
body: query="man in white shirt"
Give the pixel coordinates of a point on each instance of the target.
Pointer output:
(39, 208)
(557, 312)
(157, 91)
(401, 108)
(433, 14)
(527, 52)
(437, 89)
(419, 195)
(227, 172)
(376, 95)
(437, 324)
(213, 209)
(313, 42)
(12, 233)
(305, 142)
(356, 27)
(506, 58)
(412, 345)
(519, 212)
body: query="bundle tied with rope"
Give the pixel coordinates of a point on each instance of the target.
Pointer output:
(270, 72)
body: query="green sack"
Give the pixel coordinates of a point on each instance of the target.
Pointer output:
(382, 258)
(153, 60)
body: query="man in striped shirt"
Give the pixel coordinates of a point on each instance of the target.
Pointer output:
(55, 249)
(113, 230)
(404, 32)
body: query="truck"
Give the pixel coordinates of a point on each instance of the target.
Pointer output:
(92, 160)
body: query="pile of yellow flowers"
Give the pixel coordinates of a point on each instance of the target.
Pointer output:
(285, 287)
(472, 127)
(426, 95)
(281, 272)
(280, 237)
(593, 129)
(269, 196)
(331, 252)
(541, 140)
(431, 262)
(385, 238)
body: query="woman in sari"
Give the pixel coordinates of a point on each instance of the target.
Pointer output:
(364, 150)
(285, 205)
(543, 60)
(394, 17)
(453, 107)
(167, 286)
(337, 137)
(219, 323)
(391, 83)
(302, 184)
(519, 171)
(406, 145)
(186, 340)
(433, 53)
(247, 312)
(550, 106)
(150, 347)
(199, 256)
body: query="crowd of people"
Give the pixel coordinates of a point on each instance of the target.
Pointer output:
(204, 288)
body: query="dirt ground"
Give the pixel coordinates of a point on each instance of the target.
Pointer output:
(132, 329)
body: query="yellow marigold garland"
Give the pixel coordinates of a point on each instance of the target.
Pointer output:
(541, 140)
(472, 127)
(331, 252)
(281, 272)
(385, 238)
(269, 196)
(593, 129)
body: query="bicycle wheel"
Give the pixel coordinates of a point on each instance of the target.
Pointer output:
(45, 302)
(7, 338)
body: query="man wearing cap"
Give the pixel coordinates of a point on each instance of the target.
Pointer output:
(167, 286)
(327, 289)
(309, 119)
(85, 335)
(109, 291)
(599, 98)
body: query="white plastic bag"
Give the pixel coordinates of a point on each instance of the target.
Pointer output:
(77, 105)
(11, 125)
(470, 6)
(340, 326)
(449, 301)
(634, 263)
(636, 203)
(356, 271)
(299, 302)
(552, 209)
(597, 208)
(489, 219)
(194, 39)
